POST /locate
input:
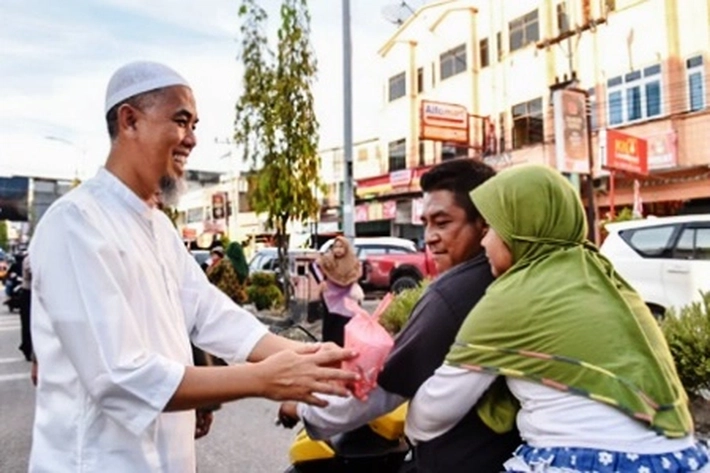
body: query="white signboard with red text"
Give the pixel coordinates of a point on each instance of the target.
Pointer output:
(441, 121)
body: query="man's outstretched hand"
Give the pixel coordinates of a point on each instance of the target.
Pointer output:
(299, 374)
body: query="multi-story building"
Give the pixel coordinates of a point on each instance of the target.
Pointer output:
(216, 204)
(643, 64)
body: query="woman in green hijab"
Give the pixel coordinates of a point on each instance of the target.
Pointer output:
(230, 274)
(587, 374)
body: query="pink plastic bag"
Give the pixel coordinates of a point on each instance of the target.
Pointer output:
(365, 335)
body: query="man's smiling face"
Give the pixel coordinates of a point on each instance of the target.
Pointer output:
(450, 236)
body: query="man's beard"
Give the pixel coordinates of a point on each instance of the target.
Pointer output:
(171, 189)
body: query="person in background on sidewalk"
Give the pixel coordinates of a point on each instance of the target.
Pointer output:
(230, 274)
(25, 305)
(116, 301)
(453, 229)
(592, 384)
(216, 255)
(337, 271)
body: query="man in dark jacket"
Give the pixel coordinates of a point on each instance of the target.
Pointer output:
(453, 233)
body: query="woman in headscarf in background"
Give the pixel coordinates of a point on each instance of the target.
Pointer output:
(230, 274)
(338, 271)
(582, 365)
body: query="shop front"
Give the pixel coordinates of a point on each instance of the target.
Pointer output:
(390, 205)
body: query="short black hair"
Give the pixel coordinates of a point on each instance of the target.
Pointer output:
(140, 101)
(458, 176)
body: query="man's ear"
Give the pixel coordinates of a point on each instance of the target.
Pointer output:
(127, 118)
(481, 225)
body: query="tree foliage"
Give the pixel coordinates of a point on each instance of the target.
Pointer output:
(688, 336)
(4, 235)
(275, 119)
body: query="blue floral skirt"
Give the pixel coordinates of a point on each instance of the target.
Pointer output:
(588, 460)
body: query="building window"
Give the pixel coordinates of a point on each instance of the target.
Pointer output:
(527, 123)
(635, 96)
(499, 46)
(483, 52)
(593, 105)
(398, 155)
(422, 153)
(696, 83)
(523, 31)
(562, 17)
(451, 151)
(420, 80)
(398, 86)
(452, 62)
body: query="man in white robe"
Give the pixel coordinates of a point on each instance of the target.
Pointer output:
(117, 300)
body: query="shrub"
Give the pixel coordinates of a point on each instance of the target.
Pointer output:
(688, 335)
(263, 291)
(399, 310)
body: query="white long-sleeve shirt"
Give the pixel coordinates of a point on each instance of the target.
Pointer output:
(116, 299)
(344, 414)
(547, 417)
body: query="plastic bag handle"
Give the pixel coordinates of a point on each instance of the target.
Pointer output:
(382, 306)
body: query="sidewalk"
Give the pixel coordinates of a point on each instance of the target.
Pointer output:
(277, 318)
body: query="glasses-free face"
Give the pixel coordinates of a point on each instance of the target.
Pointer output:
(163, 132)
(497, 252)
(450, 236)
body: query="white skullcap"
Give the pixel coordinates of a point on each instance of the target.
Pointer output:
(139, 77)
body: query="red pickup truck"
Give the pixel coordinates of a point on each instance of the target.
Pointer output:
(396, 272)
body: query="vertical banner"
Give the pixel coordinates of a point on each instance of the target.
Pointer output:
(219, 205)
(571, 136)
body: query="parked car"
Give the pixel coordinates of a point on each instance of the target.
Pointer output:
(366, 246)
(397, 271)
(267, 260)
(202, 257)
(667, 259)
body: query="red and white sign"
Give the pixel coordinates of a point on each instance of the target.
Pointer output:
(400, 178)
(441, 121)
(624, 152)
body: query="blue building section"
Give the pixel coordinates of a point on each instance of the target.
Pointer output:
(14, 198)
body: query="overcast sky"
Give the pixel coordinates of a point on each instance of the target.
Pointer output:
(57, 56)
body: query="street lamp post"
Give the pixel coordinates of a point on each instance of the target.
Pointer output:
(348, 194)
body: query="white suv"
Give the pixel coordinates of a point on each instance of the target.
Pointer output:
(667, 259)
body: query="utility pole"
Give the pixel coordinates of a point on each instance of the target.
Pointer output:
(588, 24)
(348, 203)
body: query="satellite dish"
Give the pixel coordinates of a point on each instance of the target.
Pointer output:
(397, 13)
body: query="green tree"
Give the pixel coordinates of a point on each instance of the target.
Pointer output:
(3, 235)
(275, 120)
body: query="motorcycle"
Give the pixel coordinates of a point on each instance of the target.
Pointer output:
(378, 447)
(13, 286)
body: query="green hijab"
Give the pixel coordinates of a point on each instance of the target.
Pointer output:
(561, 315)
(235, 253)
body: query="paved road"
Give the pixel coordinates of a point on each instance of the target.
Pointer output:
(243, 437)
(16, 396)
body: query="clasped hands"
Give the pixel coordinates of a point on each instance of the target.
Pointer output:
(311, 369)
